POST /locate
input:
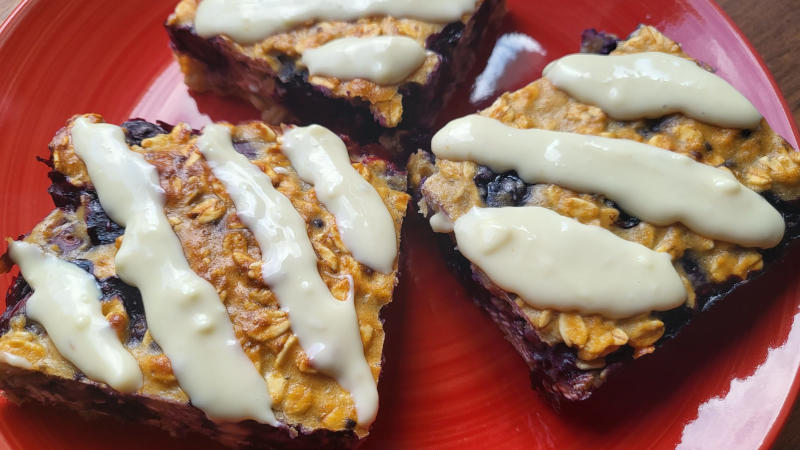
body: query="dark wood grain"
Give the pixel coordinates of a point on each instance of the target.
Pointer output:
(772, 28)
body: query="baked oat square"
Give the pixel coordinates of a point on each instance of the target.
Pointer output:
(309, 406)
(571, 353)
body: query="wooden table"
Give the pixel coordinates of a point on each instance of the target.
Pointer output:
(772, 28)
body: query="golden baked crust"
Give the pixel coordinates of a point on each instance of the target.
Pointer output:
(223, 251)
(385, 101)
(759, 158)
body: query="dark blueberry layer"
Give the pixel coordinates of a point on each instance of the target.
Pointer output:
(101, 229)
(64, 194)
(17, 294)
(709, 293)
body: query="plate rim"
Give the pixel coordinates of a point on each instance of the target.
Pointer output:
(7, 23)
(19, 12)
(791, 398)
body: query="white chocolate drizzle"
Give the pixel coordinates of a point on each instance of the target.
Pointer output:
(652, 85)
(15, 360)
(383, 59)
(440, 223)
(184, 314)
(555, 262)
(320, 158)
(250, 21)
(326, 328)
(66, 302)
(656, 185)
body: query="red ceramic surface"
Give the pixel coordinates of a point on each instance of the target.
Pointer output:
(450, 380)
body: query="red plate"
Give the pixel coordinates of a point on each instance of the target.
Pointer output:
(451, 381)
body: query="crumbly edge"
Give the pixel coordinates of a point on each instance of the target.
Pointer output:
(759, 158)
(92, 400)
(221, 250)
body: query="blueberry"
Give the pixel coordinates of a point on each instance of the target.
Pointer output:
(624, 220)
(692, 268)
(443, 42)
(85, 264)
(131, 298)
(245, 148)
(64, 194)
(137, 130)
(101, 229)
(652, 126)
(483, 177)
(599, 42)
(505, 189)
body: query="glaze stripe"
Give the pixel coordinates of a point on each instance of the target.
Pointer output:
(326, 327)
(184, 314)
(66, 302)
(656, 185)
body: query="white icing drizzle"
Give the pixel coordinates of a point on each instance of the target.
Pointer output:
(184, 314)
(320, 158)
(651, 85)
(326, 328)
(16, 361)
(552, 261)
(440, 223)
(66, 302)
(382, 59)
(250, 21)
(656, 185)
